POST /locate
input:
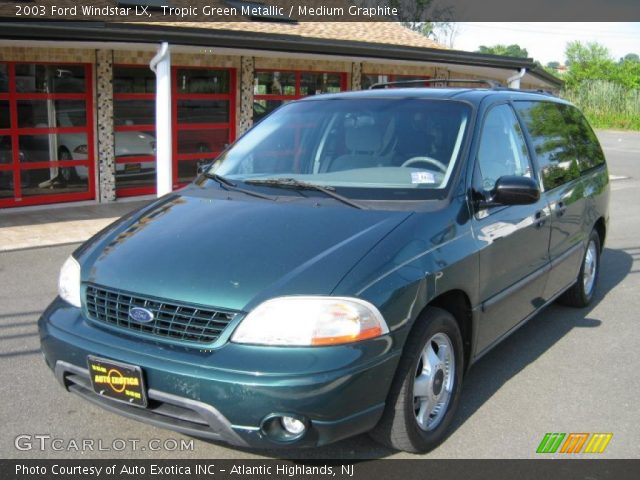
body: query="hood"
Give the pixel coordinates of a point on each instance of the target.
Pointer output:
(234, 253)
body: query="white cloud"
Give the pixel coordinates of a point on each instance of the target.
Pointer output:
(546, 41)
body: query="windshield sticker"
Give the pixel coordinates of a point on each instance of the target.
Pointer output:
(422, 177)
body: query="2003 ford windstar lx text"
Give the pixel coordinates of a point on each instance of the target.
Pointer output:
(338, 269)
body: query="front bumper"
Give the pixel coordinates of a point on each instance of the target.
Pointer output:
(227, 393)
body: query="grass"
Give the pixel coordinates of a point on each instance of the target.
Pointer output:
(607, 104)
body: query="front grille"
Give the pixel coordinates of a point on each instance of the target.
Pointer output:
(171, 320)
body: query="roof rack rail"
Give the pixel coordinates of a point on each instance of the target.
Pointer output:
(541, 91)
(490, 83)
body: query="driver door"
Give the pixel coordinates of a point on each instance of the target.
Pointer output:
(513, 241)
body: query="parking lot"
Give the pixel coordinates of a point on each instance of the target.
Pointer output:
(567, 370)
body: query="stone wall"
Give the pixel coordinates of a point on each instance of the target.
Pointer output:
(104, 108)
(245, 114)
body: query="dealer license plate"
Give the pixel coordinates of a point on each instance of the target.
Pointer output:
(118, 381)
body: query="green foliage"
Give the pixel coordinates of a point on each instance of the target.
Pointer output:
(505, 50)
(590, 61)
(627, 73)
(607, 91)
(553, 72)
(553, 65)
(607, 104)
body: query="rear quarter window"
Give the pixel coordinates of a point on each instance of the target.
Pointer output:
(586, 144)
(553, 140)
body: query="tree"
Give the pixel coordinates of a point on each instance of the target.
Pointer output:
(590, 61)
(583, 54)
(627, 74)
(630, 57)
(513, 50)
(444, 33)
(553, 65)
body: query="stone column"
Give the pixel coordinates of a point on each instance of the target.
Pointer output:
(106, 148)
(245, 116)
(356, 76)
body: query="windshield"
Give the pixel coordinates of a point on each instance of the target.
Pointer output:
(373, 145)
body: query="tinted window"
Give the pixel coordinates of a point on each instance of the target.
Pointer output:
(275, 83)
(586, 143)
(503, 150)
(133, 80)
(49, 78)
(4, 78)
(553, 138)
(199, 80)
(316, 83)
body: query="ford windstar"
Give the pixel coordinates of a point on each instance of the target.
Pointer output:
(338, 269)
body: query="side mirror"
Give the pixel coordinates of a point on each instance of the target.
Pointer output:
(514, 190)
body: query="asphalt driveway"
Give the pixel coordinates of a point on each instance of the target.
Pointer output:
(567, 370)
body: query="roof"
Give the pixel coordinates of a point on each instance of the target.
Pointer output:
(473, 95)
(389, 33)
(364, 40)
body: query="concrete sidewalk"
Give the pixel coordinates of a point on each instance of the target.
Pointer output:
(31, 227)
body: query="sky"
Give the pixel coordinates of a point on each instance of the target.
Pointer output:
(546, 41)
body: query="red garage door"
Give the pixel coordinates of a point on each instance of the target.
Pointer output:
(203, 114)
(46, 133)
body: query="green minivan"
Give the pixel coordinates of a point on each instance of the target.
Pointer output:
(338, 269)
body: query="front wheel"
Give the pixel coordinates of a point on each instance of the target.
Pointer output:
(581, 293)
(426, 388)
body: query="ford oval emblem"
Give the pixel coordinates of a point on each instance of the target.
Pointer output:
(140, 315)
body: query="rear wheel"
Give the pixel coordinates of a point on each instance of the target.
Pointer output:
(68, 174)
(581, 293)
(426, 388)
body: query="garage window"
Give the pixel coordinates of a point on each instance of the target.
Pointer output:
(203, 111)
(46, 133)
(273, 88)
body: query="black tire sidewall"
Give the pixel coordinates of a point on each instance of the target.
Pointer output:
(437, 321)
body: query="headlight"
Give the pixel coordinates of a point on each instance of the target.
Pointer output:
(304, 321)
(69, 282)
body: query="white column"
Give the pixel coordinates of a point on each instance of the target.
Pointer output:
(161, 66)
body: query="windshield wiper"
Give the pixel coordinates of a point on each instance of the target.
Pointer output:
(229, 185)
(300, 185)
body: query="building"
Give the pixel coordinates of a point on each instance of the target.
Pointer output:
(77, 115)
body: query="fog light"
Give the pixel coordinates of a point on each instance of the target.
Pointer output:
(292, 425)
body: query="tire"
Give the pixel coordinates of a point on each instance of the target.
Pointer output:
(399, 427)
(581, 293)
(68, 174)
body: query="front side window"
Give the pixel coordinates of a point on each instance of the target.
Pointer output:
(502, 150)
(356, 144)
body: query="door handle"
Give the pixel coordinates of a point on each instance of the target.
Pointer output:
(540, 218)
(560, 209)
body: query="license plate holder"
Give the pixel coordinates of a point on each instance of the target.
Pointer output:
(117, 381)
